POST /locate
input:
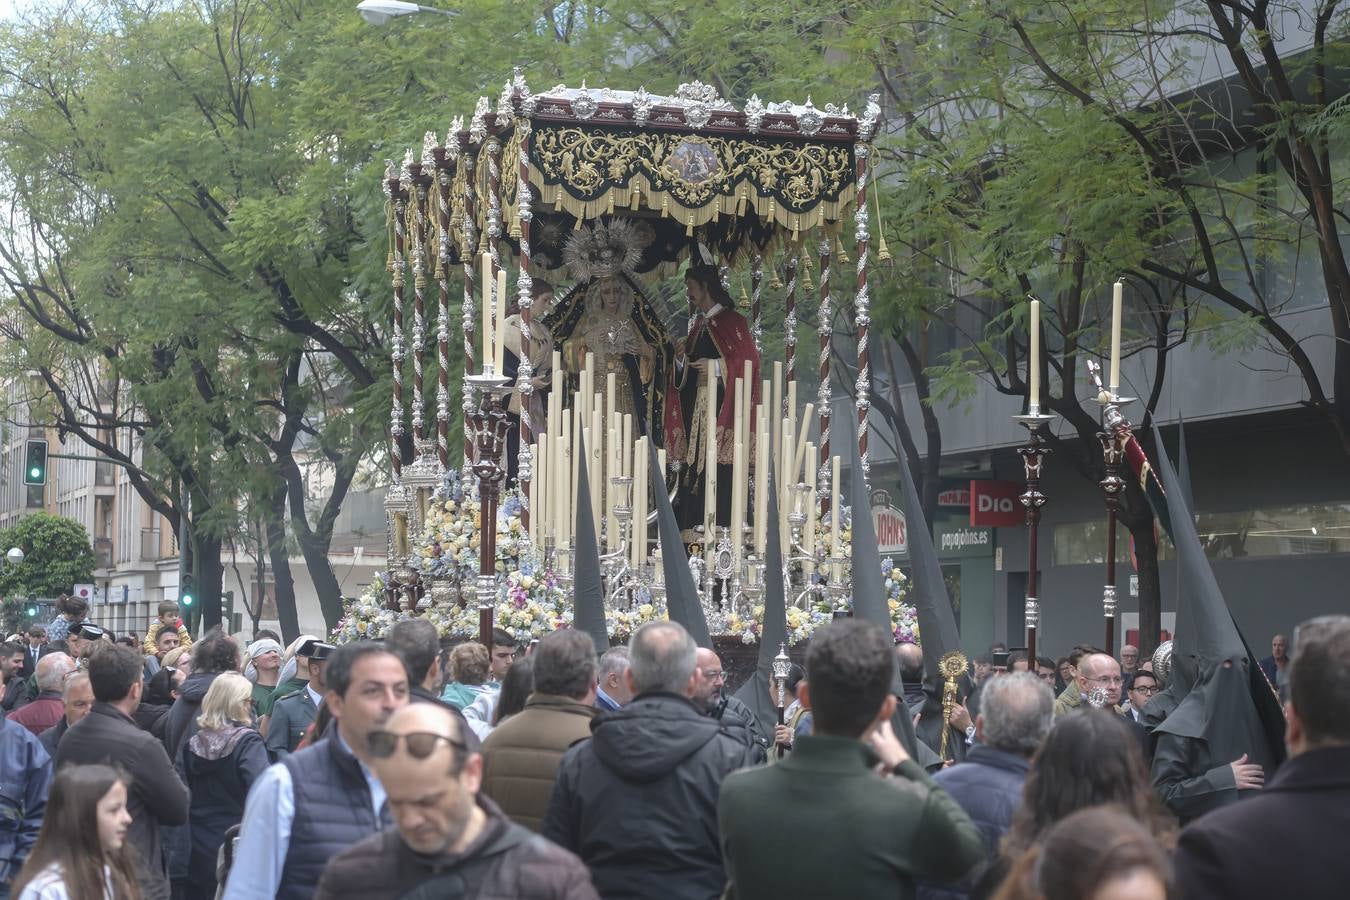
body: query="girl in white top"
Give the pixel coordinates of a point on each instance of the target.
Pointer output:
(80, 852)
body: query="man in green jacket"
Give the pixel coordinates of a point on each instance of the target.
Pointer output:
(848, 813)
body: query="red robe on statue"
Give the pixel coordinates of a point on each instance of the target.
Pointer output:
(735, 345)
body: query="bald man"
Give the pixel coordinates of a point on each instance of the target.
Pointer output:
(737, 719)
(448, 839)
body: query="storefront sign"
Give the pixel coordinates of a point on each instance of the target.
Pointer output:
(958, 497)
(889, 524)
(995, 503)
(959, 540)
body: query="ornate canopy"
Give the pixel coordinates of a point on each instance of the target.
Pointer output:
(689, 166)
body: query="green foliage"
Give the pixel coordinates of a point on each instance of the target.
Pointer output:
(57, 556)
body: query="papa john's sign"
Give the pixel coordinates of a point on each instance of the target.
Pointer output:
(996, 503)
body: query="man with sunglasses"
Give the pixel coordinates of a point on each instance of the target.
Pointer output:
(449, 840)
(320, 800)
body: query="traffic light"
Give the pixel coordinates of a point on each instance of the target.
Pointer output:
(35, 461)
(185, 592)
(32, 612)
(227, 607)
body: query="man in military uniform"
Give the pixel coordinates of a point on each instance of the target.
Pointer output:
(293, 713)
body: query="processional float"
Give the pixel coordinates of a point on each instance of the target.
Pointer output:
(630, 186)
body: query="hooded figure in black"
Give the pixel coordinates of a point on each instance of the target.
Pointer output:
(869, 602)
(683, 606)
(759, 691)
(588, 582)
(1225, 717)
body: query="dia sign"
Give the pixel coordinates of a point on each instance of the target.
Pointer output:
(995, 503)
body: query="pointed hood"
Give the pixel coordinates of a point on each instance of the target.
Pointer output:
(588, 584)
(682, 602)
(1227, 708)
(758, 691)
(1183, 465)
(869, 594)
(938, 634)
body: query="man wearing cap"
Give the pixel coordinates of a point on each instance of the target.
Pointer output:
(81, 639)
(294, 674)
(293, 713)
(263, 668)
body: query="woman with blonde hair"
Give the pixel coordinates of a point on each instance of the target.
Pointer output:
(81, 851)
(220, 763)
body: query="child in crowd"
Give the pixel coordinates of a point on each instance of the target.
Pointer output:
(168, 615)
(80, 852)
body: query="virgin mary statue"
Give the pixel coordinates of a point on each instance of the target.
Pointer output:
(606, 314)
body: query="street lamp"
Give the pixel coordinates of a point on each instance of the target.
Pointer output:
(378, 12)
(15, 556)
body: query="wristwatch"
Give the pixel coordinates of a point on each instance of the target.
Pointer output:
(970, 733)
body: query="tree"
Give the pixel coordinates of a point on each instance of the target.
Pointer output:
(57, 556)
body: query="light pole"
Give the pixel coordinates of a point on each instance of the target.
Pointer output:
(379, 12)
(14, 556)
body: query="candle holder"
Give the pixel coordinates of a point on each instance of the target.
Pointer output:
(1033, 457)
(782, 667)
(489, 426)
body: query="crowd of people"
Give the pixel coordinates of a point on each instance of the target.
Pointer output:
(159, 767)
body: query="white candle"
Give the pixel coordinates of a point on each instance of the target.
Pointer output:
(809, 533)
(612, 467)
(800, 457)
(710, 466)
(595, 446)
(761, 476)
(486, 360)
(638, 550)
(1117, 304)
(499, 345)
(835, 547)
(539, 497)
(776, 417)
(555, 397)
(1034, 359)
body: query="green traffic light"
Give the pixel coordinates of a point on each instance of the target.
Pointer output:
(35, 472)
(32, 610)
(186, 599)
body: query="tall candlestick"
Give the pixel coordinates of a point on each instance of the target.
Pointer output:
(487, 283)
(562, 488)
(738, 473)
(1034, 359)
(612, 466)
(761, 474)
(1117, 304)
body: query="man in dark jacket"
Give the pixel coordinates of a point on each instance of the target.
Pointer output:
(320, 800)
(108, 735)
(216, 652)
(1016, 713)
(521, 756)
(77, 698)
(734, 714)
(25, 777)
(450, 841)
(847, 813)
(638, 801)
(1288, 839)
